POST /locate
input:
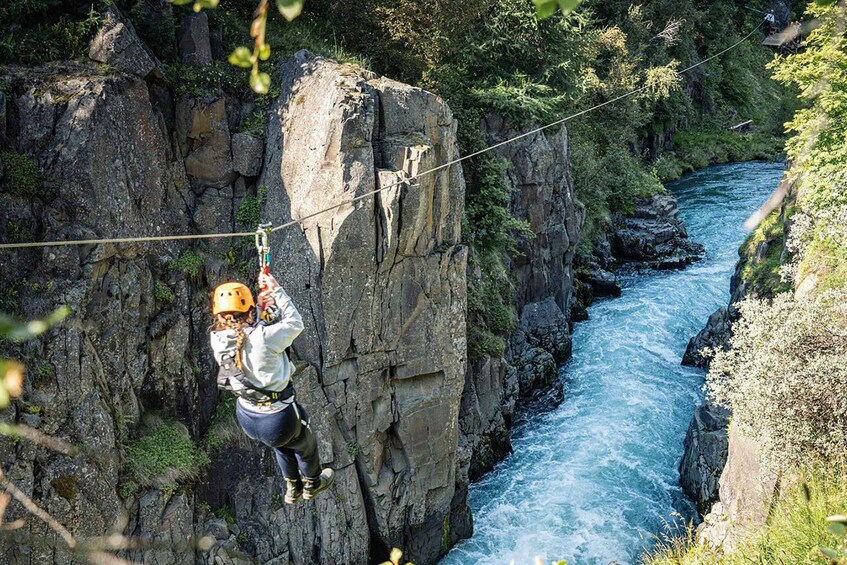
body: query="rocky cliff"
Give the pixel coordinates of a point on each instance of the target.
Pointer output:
(380, 283)
(747, 491)
(542, 271)
(721, 469)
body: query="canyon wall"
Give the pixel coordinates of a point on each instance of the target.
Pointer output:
(380, 283)
(541, 269)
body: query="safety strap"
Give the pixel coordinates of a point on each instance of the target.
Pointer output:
(229, 370)
(263, 248)
(300, 417)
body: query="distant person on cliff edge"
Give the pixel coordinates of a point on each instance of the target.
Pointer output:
(255, 367)
(770, 23)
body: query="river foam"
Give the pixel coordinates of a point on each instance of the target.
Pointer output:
(592, 481)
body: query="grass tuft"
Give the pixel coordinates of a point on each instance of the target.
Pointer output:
(164, 458)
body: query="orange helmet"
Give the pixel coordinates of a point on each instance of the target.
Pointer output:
(231, 297)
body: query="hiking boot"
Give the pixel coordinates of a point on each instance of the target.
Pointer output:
(293, 490)
(314, 485)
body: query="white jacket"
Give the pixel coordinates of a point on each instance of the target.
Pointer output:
(263, 358)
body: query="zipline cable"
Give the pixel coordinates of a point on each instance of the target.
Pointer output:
(368, 194)
(506, 142)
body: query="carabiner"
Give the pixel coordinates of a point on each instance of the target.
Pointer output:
(263, 247)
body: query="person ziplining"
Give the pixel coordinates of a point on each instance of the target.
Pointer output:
(249, 342)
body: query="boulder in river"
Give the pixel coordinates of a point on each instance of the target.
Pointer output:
(603, 283)
(654, 235)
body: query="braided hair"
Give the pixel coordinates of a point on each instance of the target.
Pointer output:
(236, 321)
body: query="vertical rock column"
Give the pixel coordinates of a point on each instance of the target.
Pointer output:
(542, 270)
(381, 286)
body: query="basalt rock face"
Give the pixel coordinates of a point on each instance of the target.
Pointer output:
(106, 154)
(380, 283)
(714, 336)
(542, 270)
(118, 45)
(654, 235)
(705, 455)
(747, 490)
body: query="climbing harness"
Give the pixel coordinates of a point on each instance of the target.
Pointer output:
(302, 220)
(257, 396)
(263, 248)
(260, 396)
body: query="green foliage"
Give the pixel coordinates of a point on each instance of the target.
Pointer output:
(249, 211)
(225, 513)
(156, 28)
(762, 256)
(817, 149)
(189, 80)
(547, 8)
(19, 232)
(224, 430)
(490, 225)
(837, 527)
(490, 230)
(190, 264)
(491, 313)
(163, 458)
(785, 376)
(254, 124)
(240, 258)
(163, 293)
(44, 369)
(710, 145)
(22, 176)
(353, 449)
(607, 182)
(520, 100)
(795, 532)
(65, 486)
(34, 32)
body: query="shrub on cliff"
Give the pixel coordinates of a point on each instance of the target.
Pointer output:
(796, 529)
(163, 458)
(785, 377)
(33, 32)
(817, 150)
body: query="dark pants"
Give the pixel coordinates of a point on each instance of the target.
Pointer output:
(293, 443)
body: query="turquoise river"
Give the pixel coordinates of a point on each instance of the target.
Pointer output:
(595, 479)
